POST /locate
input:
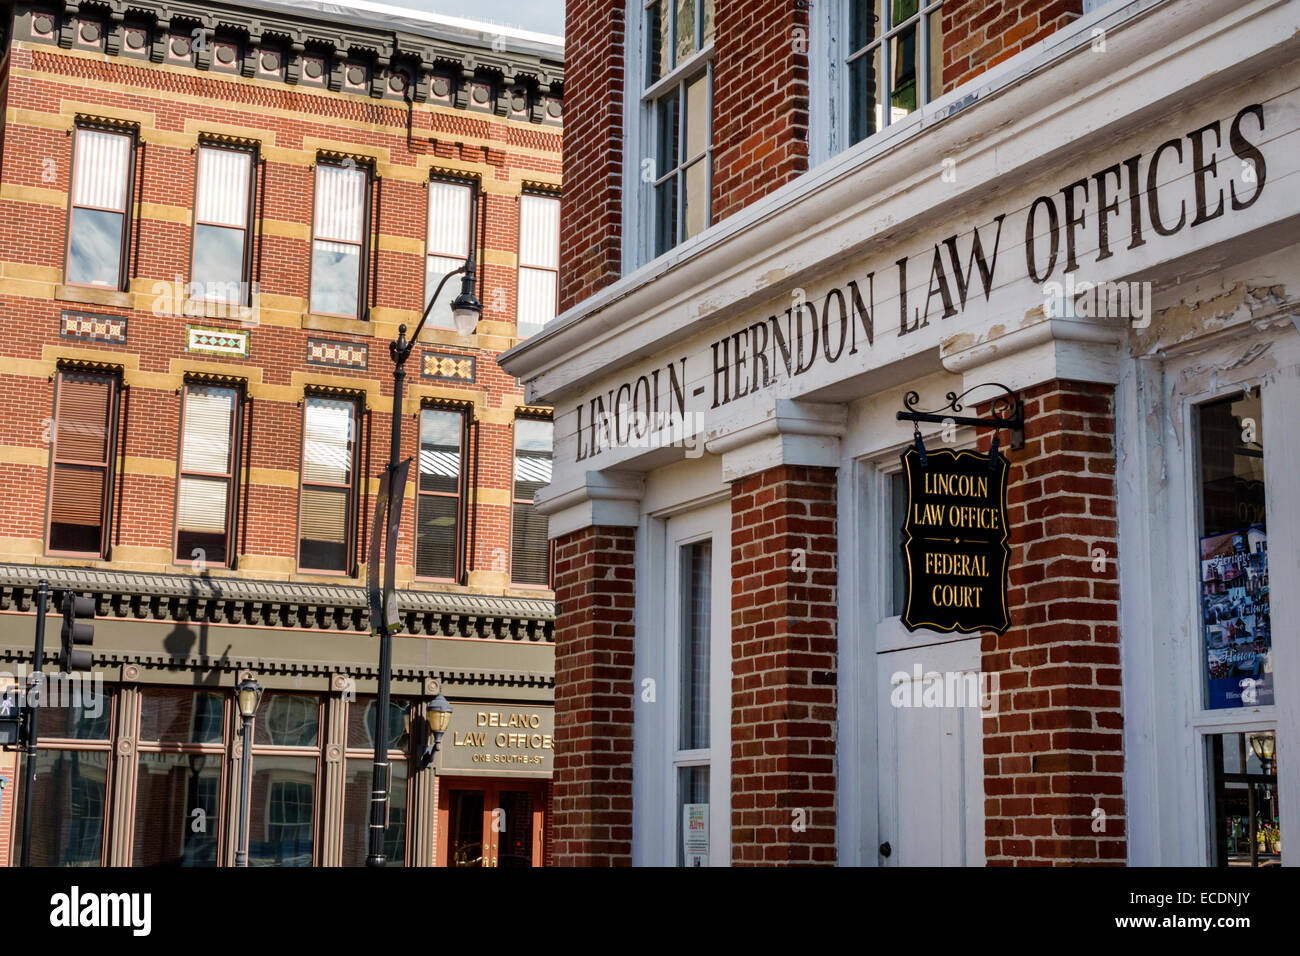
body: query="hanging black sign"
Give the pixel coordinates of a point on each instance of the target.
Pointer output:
(955, 534)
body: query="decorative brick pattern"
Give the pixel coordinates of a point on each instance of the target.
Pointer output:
(784, 666)
(594, 628)
(95, 328)
(337, 354)
(214, 341)
(447, 366)
(1053, 753)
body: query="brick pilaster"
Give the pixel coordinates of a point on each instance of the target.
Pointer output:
(1053, 753)
(783, 679)
(594, 630)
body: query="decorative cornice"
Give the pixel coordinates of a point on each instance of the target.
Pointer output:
(393, 64)
(278, 604)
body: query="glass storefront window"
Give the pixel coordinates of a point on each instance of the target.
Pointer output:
(1233, 554)
(181, 716)
(1246, 819)
(287, 720)
(282, 811)
(359, 773)
(68, 810)
(177, 809)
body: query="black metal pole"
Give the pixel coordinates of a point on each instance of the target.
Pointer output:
(33, 707)
(400, 351)
(245, 780)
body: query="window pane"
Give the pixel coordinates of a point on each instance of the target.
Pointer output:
(81, 433)
(696, 200)
(898, 515)
(87, 719)
(177, 810)
(222, 191)
(706, 21)
(340, 203)
(697, 116)
(218, 264)
(1246, 820)
(68, 806)
(361, 724)
(935, 46)
(209, 423)
(202, 505)
(449, 219)
(180, 716)
(324, 529)
(865, 95)
(335, 278)
(659, 26)
(696, 581)
(103, 164)
(668, 130)
(539, 231)
(666, 215)
(440, 450)
(685, 29)
(465, 828)
(327, 445)
(287, 720)
(356, 813)
(533, 455)
(536, 300)
(436, 267)
(902, 56)
(282, 810)
(864, 23)
(1234, 554)
(435, 551)
(95, 250)
(77, 509)
(530, 547)
(692, 791)
(515, 841)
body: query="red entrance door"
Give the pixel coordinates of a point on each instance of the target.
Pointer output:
(491, 823)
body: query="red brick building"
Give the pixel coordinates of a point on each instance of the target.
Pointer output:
(216, 217)
(785, 223)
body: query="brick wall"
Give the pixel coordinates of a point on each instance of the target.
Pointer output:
(760, 127)
(784, 665)
(1054, 752)
(980, 34)
(594, 628)
(590, 213)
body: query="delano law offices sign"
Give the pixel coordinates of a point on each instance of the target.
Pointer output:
(955, 534)
(500, 740)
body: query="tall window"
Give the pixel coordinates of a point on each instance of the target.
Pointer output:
(539, 261)
(325, 510)
(339, 239)
(358, 771)
(895, 61)
(205, 498)
(101, 193)
(693, 712)
(81, 471)
(679, 96)
(282, 809)
(451, 236)
(222, 199)
(438, 509)
(529, 546)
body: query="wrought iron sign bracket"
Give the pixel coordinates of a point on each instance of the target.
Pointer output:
(1008, 411)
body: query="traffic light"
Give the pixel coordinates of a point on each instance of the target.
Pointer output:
(77, 632)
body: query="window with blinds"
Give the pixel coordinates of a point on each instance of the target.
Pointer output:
(80, 479)
(339, 239)
(438, 509)
(221, 202)
(325, 508)
(530, 550)
(100, 196)
(539, 261)
(451, 230)
(205, 494)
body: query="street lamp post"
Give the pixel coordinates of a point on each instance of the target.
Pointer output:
(465, 309)
(249, 696)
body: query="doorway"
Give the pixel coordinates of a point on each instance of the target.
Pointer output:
(498, 823)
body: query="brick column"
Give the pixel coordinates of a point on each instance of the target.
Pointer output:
(1054, 751)
(594, 628)
(783, 679)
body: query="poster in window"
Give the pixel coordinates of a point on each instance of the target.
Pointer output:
(1235, 611)
(695, 833)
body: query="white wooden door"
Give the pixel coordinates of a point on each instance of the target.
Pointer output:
(931, 760)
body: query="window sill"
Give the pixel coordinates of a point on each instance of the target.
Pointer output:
(329, 323)
(92, 295)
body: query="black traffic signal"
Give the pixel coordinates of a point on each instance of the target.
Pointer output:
(78, 631)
